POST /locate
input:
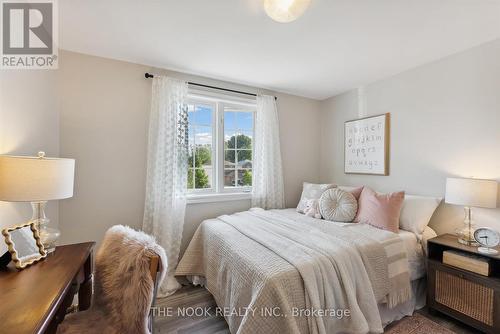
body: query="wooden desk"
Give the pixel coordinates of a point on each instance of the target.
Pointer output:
(34, 300)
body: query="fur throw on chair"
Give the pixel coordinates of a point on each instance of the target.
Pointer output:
(123, 287)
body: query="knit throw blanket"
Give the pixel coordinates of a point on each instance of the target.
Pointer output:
(259, 260)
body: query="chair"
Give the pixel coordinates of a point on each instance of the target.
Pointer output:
(129, 266)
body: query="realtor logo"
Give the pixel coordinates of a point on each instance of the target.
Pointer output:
(29, 34)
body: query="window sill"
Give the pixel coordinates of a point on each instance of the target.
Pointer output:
(221, 197)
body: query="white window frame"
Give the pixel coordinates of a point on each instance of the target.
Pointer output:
(218, 192)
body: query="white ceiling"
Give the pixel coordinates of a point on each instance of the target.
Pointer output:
(336, 46)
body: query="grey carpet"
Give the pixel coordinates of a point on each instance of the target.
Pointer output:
(169, 320)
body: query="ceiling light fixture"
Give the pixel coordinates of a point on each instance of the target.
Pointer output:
(284, 11)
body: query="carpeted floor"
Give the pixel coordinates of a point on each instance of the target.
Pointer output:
(170, 320)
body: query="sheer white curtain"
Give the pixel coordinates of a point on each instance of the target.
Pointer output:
(167, 171)
(268, 190)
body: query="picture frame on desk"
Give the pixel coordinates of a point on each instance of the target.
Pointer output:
(24, 244)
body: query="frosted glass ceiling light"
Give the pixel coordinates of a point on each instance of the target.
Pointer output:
(285, 11)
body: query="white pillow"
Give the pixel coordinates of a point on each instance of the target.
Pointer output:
(312, 191)
(338, 205)
(428, 233)
(417, 212)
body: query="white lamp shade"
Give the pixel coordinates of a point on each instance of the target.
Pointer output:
(472, 192)
(285, 11)
(31, 179)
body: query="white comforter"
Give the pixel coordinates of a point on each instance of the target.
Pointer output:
(263, 259)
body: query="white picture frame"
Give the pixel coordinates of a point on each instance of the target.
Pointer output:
(366, 145)
(24, 244)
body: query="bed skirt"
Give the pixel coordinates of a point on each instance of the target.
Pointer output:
(388, 315)
(416, 302)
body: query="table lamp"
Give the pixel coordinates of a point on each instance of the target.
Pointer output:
(37, 180)
(470, 193)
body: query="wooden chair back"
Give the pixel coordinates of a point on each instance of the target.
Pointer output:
(154, 269)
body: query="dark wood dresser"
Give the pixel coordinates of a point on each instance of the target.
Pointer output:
(462, 294)
(35, 299)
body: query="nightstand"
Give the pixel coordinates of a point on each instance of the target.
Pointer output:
(464, 295)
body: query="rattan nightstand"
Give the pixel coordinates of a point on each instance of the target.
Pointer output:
(464, 295)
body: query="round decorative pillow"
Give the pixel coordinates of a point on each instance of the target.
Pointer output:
(338, 205)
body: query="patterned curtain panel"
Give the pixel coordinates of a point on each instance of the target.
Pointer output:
(167, 171)
(268, 190)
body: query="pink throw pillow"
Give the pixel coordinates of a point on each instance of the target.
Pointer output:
(356, 192)
(380, 210)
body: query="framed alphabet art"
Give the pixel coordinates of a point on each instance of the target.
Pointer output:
(366, 145)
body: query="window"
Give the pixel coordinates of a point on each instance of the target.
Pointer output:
(201, 145)
(238, 155)
(221, 136)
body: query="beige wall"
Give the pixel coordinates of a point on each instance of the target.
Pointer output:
(103, 126)
(445, 118)
(445, 122)
(104, 119)
(29, 122)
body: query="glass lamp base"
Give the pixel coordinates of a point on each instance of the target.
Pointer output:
(467, 242)
(48, 237)
(466, 236)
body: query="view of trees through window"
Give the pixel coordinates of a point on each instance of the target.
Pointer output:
(238, 156)
(197, 175)
(238, 161)
(237, 142)
(200, 163)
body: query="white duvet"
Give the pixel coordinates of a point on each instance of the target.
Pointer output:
(279, 258)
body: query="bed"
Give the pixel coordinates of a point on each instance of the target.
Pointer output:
(279, 271)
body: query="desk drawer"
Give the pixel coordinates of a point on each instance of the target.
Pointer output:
(469, 298)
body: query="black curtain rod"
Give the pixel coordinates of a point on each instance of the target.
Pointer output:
(149, 75)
